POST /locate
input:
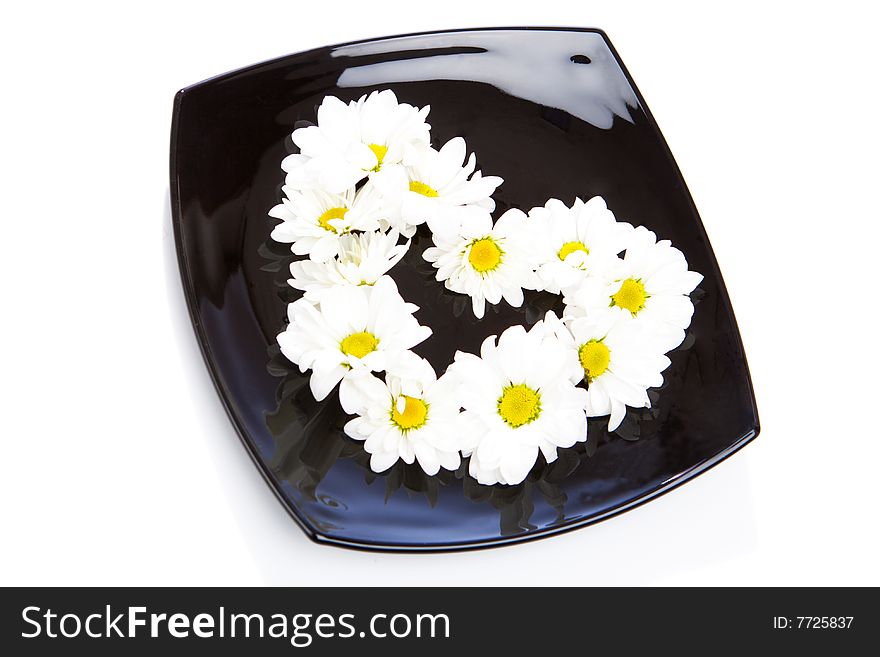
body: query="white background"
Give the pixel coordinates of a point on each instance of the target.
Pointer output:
(118, 465)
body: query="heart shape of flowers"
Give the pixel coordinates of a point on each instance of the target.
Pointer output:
(365, 178)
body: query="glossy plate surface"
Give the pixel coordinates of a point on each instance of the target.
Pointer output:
(553, 112)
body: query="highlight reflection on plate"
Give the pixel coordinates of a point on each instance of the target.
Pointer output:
(554, 113)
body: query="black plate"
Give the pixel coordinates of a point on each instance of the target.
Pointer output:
(555, 114)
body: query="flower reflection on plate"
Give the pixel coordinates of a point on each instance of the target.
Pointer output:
(553, 113)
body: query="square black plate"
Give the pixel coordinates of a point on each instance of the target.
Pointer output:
(553, 112)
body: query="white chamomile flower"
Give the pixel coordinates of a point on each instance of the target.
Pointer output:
(486, 262)
(435, 188)
(356, 327)
(313, 221)
(615, 360)
(363, 258)
(519, 398)
(354, 140)
(412, 415)
(577, 241)
(651, 286)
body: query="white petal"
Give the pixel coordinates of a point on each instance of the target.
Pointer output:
(517, 463)
(360, 391)
(381, 461)
(427, 457)
(324, 380)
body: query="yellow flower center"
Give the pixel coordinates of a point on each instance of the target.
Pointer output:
(332, 213)
(485, 255)
(594, 357)
(570, 247)
(519, 405)
(359, 344)
(415, 412)
(631, 296)
(380, 152)
(423, 189)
